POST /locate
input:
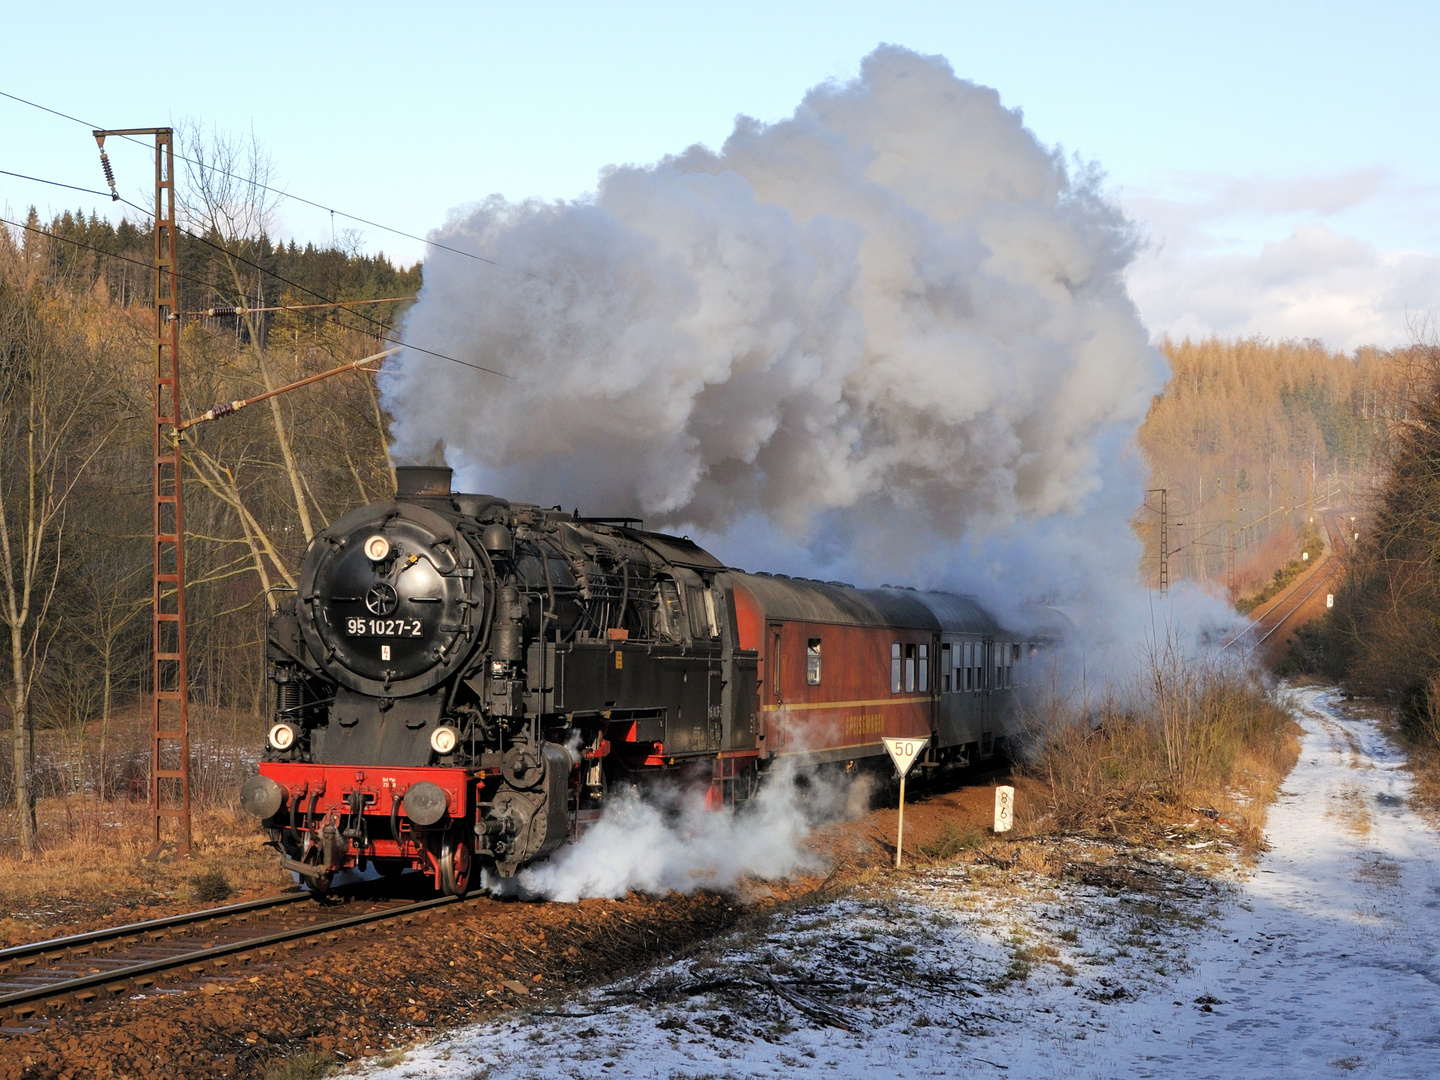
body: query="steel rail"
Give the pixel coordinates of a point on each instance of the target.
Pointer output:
(91, 937)
(1289, 614)
(200, 956)
(1271, 606)
(1332, 567)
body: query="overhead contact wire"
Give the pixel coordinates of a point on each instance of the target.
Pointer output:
(278, 191)
(212, 312)
(326, 301)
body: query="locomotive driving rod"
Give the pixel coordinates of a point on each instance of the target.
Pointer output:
(227, 408)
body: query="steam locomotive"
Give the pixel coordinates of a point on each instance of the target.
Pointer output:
(461, 682)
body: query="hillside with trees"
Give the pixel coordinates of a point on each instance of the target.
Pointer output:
(1382, 638)
(76, 370)
(1251, 436)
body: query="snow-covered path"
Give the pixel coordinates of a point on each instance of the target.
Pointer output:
(1324, 961)
(1330, 962)
(1333, 958)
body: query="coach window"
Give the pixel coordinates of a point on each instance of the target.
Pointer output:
(895, 668)
(812, 662)
(909, 669)
(924, 673)
(946, 674)
(969, 655)
(1001, 651)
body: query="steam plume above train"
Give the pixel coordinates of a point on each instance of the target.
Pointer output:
(892, 319)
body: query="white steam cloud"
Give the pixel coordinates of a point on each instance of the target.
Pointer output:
(897, 294)
(671, 843)
(886, 339)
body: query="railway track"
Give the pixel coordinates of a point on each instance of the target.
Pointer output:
(185, 948)
(1294, 600)
(182, 951)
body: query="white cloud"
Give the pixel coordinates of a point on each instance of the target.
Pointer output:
(1281, 258)
(1314, 283)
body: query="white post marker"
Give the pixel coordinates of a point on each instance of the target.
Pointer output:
(903, 752)
(1004, 808)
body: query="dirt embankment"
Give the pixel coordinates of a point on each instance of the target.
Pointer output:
(389, 985)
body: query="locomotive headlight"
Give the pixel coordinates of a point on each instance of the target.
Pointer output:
(282, 736)
(443, 739)
(376, 548)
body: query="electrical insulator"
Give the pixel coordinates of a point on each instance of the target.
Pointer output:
(109, 176)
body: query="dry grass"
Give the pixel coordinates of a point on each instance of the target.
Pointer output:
(1352, 810)
(1378, 870)
(1418, 731)
(92, 861)
(1421, 743)
(92, 856)
(1424, 764)
(1194, 740)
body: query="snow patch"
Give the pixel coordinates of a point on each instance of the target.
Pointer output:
(1322, 962)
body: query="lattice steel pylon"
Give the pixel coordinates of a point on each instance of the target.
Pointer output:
(1164, 494)
(170, 685)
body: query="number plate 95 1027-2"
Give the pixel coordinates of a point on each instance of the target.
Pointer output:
(357, 627)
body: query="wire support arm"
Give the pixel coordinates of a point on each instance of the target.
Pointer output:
(230, 408)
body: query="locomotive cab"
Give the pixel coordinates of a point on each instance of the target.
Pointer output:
(459, 682)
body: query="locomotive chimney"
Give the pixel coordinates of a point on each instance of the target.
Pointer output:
(422, 481)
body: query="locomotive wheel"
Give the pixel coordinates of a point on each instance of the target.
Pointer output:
(456, 864)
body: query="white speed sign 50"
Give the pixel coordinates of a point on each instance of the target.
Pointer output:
(904, 751)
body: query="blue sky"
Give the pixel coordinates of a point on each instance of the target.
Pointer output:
(1280, 157)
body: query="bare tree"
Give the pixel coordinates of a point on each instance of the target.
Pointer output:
(56, 413)
(229, 194)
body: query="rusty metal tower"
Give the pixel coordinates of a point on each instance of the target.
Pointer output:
(1230, 543)
(170, 713)
(1164, 494)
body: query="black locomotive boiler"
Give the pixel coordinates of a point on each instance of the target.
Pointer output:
(461, 681)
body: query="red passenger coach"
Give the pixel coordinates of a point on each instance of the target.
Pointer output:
(841, 668)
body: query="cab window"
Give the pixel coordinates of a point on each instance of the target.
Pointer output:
(699, 616)
(668, 616)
